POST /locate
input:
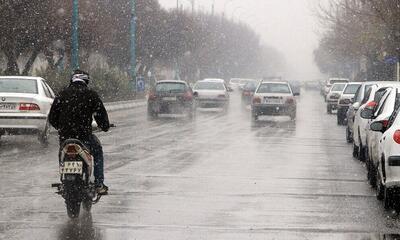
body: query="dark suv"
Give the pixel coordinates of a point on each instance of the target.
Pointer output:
(170, 97)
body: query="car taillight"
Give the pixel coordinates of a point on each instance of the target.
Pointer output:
(256, 100)
(371, 105)
(152, 96)
(396, 136)
(188, 96)
(290, 101)
(29, 107)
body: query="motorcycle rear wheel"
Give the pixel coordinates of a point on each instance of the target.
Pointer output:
(73, 208)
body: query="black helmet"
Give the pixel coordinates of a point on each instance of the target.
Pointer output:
(80, 76)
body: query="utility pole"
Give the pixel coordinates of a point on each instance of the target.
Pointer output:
(75, 35)
(133, 44)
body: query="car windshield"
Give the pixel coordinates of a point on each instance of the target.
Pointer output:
(18, 86)
(338, 87)
(274, 88)
(209, 86)
(351, 88)
(171, 87)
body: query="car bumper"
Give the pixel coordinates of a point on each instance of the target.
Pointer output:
(273, 109)
(169, 106)
(15, 123)
(392, 172)
(211, 103)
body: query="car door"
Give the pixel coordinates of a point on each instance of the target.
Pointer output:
(380, 114)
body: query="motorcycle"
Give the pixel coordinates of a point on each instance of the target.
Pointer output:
(77, 180)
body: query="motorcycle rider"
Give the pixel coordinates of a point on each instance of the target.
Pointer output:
(72, 114)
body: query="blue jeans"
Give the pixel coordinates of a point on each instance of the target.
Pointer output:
(94, 145)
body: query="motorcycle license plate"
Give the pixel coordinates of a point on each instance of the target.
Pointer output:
(71, 168)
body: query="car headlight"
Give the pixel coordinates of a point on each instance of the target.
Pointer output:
(344, 101)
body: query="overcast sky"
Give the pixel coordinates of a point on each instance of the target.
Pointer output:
(287, 25)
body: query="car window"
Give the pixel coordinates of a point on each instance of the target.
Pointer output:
(337, 87)
(382, 102)
(274, 88)
(366, 96)
(50, 90)
(351, 89)
(18, 86)
(46, 90)
(171, 87)
(209, 86)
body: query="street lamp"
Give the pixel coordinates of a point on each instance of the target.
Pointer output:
(133, 44)
(75, 35)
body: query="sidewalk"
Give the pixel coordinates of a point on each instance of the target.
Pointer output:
(115, 106)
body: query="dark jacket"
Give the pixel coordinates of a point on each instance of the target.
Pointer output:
(73, 110)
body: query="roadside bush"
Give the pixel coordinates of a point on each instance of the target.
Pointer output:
(111, 84)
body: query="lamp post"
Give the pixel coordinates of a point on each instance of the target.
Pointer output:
(133, 44)
(75, 35)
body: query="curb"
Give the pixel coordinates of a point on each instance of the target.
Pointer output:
(115, 106)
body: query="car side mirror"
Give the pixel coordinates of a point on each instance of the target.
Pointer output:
(377, 126)
(367, 113)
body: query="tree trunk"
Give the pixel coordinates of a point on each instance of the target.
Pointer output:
(30, 62)
(12, 65)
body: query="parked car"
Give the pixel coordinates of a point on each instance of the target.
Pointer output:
(273, 98)
(248, 92)
(25, 103)
(371, 98)
(170, 97)
(388, 166)
(212, 93)
(333, 96)
(382, 112)
(332, 81)
(351, 112)
(345, 100)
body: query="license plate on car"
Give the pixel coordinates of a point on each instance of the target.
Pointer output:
(71, 168)
(169, 98)
(7, 106)
(272, 100)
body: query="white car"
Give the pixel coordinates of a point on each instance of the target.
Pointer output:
(351, 112)
(372, 96)
(345, 100)
(25, 103)
(211, 93)
(332, 81)
(273, 98)
(382, 112)
(388, 166)
(333, 96)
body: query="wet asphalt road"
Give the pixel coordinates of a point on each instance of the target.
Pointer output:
(217, 177)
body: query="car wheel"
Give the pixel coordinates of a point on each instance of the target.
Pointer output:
(355, 150)
(348, 135)
(44, 135)
(329, 109)
(361, 150)
(380, 189)
(388, 198)
(151, 115)
(372, 175)
(254, 115)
